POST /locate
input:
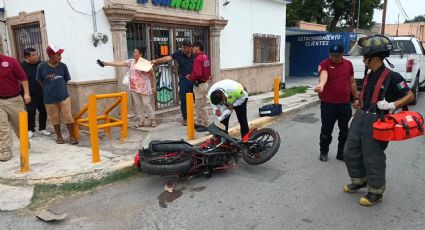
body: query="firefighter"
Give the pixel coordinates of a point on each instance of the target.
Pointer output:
(363, 155)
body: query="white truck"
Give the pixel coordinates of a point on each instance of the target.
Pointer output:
(408, 58)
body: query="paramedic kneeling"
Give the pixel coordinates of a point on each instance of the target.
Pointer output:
(364, 156)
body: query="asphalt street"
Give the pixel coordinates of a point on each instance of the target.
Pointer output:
(292, 191)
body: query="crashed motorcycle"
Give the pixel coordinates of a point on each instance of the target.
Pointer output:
(217, 153)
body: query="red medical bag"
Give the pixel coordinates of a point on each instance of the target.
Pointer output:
(394, 127)
(398, 127)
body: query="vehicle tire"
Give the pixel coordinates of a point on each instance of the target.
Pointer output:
(422, 88)
(165, 166)
(415, 92)
(255, 156)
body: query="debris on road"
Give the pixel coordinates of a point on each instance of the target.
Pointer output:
(50, 216)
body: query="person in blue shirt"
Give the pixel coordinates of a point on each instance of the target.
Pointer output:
(184, 58)
(53, 76)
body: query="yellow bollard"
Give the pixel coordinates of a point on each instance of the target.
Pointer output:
(276, 90)
(190, 117)
(124, 117)
(94, 135)
(76, 130)
(23, 138)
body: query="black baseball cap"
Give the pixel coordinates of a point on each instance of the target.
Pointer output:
(336, 49)
(186, 42)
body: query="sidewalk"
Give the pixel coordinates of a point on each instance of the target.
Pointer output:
(53, 163)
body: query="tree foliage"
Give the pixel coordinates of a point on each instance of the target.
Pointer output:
(336, 14)
(420, 18)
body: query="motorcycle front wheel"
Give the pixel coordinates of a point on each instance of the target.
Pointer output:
(265, 144)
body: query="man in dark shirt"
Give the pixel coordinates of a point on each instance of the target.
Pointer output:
(201, 73)
(53, 75)
(36, 91)
(184, 58)
(364, 156)
(335, 87)
(11, 77)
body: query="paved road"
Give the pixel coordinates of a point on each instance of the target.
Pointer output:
(293, 191)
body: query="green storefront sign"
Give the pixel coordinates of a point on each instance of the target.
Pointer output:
(195, 5)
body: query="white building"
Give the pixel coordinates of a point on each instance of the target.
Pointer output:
(244, 38)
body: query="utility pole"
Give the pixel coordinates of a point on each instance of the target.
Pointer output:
(384, 15)
(358, 15)
(398, 24)
(353, 13)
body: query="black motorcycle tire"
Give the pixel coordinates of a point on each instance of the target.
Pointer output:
(181, 167)
(269, 154)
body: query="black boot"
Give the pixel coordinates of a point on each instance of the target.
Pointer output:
(340, 156)
(350, 188)
(323, 157)
(370, 199)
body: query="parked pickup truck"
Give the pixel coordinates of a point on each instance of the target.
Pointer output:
(408, 58)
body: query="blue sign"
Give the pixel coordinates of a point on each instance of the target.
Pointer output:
(307, 51)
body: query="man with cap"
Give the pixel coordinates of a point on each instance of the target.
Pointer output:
(11, 74)
(184, 58)
(53, 76)
(335, 86)
(364, 156)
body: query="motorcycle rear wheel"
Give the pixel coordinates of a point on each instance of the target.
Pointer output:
(264, 149)
(166, 166)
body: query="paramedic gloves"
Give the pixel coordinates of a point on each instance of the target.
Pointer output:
(385, 105)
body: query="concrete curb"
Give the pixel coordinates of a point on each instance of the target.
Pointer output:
(100, 173)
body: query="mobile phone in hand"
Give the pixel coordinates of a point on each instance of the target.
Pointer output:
(100, 63)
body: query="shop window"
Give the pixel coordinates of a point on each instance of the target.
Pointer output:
(266, 48)
(136, 37)
(27, 30)
(28, 36)
(163, 40)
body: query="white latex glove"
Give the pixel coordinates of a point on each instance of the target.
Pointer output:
(385, 105)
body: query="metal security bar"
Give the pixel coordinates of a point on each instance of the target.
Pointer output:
(28, 36)
(201, 34)
(163, 41)
(137, 36)
(266, 48)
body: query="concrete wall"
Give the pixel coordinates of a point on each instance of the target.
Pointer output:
(311, 26)
(246, 18)
(256, 79)
(416, 29)
(73, 31)
(80, 91)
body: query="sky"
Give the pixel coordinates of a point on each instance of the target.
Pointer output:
(412, 7)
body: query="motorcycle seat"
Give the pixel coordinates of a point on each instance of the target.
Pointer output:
(171, 146)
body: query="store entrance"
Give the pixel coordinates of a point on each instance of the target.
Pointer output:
(163, 41)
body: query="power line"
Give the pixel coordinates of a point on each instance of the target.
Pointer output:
(401, 9)
(404, 14)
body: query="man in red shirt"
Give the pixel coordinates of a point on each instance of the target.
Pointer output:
(335, 84)
(11, 76)
(201, 73)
